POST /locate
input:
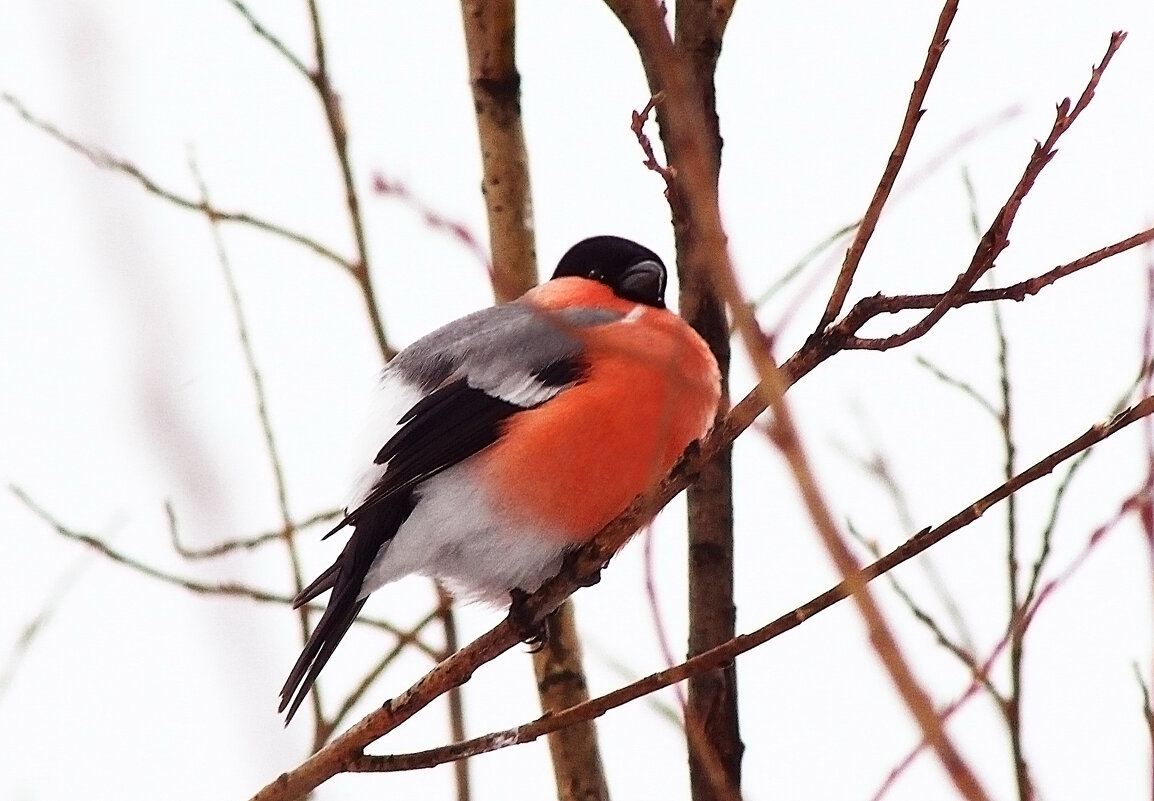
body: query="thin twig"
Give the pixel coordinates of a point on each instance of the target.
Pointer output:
(668, 174)
(272, 452)
(436, 220)
(873, 212)
(996, 238)
(36, 626)
(107, 161)
(243, 544)
(264, 33)
(959, 384)
(868, 308)
(1024, 621)
(903, 189)
(338, 132)
(225, 589)
(367, 680)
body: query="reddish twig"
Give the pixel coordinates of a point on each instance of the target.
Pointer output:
(868, 308)
(659, 631)
(996, 238)
(869, 221)
(454, 229)
(668, 174)
(1019, 625)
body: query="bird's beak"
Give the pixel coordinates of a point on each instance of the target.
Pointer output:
(644, 281)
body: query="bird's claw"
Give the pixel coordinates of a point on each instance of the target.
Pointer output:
(534, 634)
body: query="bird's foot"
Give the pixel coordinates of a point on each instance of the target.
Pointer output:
(533, 634)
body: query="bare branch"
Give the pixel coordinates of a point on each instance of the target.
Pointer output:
(868, 308)
(225, 589)
(434, 219)
(271, 451)
(264, 33)
(996, 238)
(490, 29)
(668, 174)
(107, 161)
(1022, 622)
(869, 220)
(746, 642)
(339, 134)
(245, 544)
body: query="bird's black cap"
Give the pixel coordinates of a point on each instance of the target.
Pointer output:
(633, 272)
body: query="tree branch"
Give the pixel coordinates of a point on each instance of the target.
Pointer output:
(747, 642)
(869, 220)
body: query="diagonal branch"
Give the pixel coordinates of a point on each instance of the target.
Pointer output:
(868, 308)
(997, 237)
(264, 33)
(869, 221)
(107, 161)
(339, 134)
(226, 589)
(746, 642)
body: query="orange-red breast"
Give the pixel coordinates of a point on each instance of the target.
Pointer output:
(506, 438)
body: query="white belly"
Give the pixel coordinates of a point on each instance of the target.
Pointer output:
(454, 535)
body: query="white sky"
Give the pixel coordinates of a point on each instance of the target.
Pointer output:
(123, 385)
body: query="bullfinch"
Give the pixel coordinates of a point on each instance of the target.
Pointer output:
(509, 437)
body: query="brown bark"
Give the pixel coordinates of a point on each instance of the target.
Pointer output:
(560, 685)
(711, 714)
(490, 33)
(490, 37)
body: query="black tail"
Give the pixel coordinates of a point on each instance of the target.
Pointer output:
(373, 530)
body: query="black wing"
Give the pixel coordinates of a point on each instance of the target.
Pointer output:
(447, 426)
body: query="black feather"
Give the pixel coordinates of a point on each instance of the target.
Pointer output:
(444, 428)
(345, 577)
(633, 272)
(561, 372)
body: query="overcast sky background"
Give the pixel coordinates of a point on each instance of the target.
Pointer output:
(122, 383)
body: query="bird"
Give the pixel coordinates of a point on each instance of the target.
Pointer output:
(504, 440)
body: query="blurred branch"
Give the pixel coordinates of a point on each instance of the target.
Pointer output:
(331, 102)
(1147, 712)
(746, 642)
(35, 627)
(904, 188)
(226, 589)
(260, 30)
(272, 453)
(964, 387)
(245, 544)
(1131, 505)
(873, 212)
(959, 649)
(434, 219)
(106, 161)
(367, 680)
